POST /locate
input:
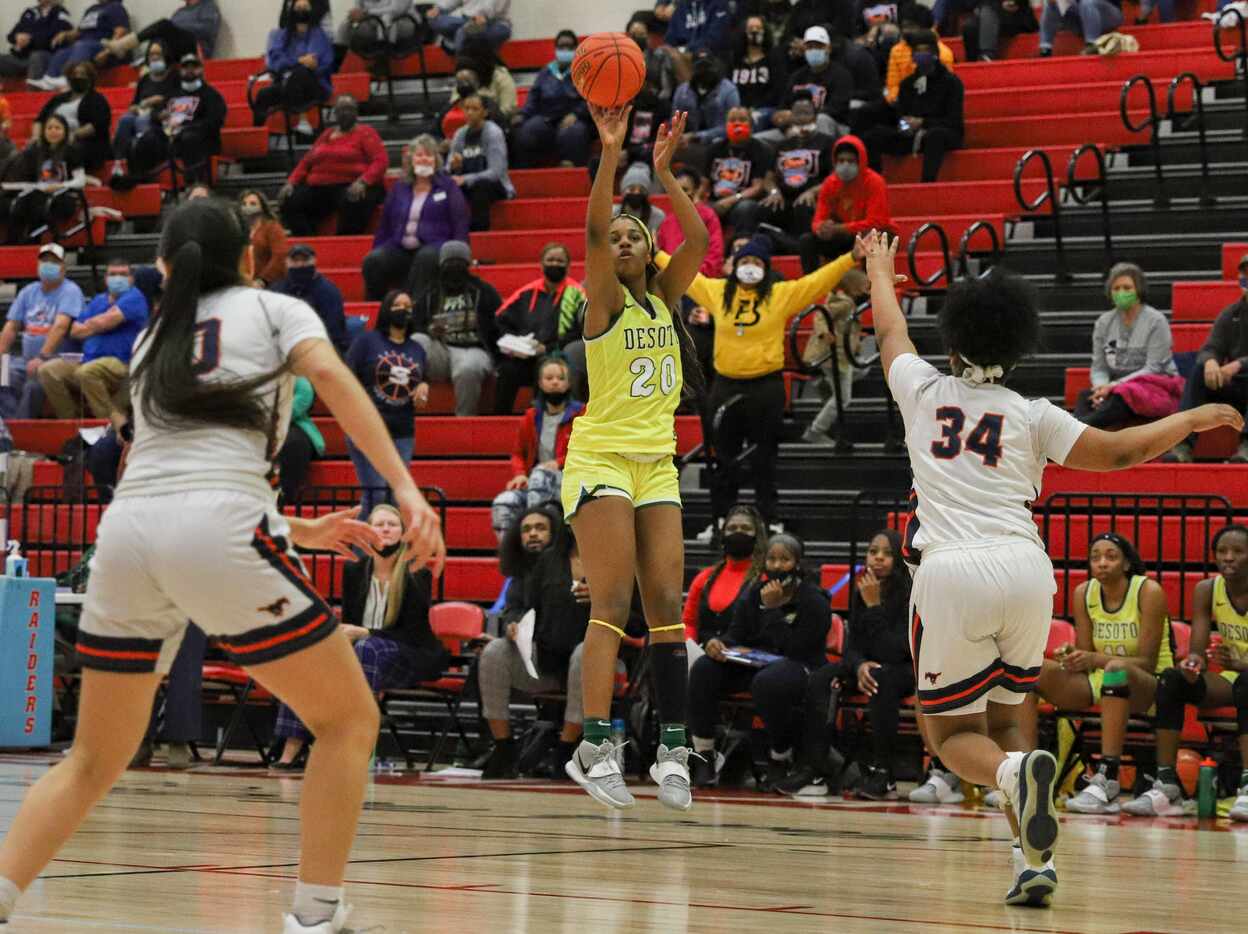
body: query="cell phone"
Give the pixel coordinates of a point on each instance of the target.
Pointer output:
(903, 125)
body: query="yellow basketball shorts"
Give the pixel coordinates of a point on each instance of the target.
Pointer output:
(589, 474)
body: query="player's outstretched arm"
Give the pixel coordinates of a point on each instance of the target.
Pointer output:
(891, 332)
(1116, 450)
(676, 277)
(602, 287)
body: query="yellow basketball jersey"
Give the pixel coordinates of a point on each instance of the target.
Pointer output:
(1118, 633)
(1230, 622)
(635, 380)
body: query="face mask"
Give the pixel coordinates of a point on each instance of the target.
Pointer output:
(346, 117)
(1124, 299)
(750, 274)
(79, 85)
(738, 132)
(463, 89)
(924, 62)
(400, 317)
(555, 398)
(704, 74)
(301, 16)
(636, 202)
(302, 275)
(250, 210)
(192, 85)
(641, 41)
(117, 284)
(454, 275)
(387, 551)
(802, 129)
(422, 171)
(755, 38)
(1243, 282)
(738, 544)
(49, 272)
(554, 273)
(565, 56)
(816, 58)
(157, 67)
(847, 171)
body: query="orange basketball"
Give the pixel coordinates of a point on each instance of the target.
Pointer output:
(609, 69)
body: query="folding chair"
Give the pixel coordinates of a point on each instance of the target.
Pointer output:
(225, 683)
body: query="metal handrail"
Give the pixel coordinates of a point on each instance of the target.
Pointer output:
(1048, 196)
(1241, 53)
(856, 329)
(964, 251)
(1073, 188)
(1198, 107)
(1151, 124)
(816, 366)
(912, 249)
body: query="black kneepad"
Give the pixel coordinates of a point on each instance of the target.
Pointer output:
(1239, 692)
(1174, 692)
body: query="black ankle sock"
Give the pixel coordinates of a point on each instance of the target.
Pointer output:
(1109, 765)
(937, 765)
(671, 679)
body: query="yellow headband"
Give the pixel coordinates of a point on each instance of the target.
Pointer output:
(645, 231)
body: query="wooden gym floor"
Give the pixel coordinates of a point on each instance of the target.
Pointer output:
(211, 852)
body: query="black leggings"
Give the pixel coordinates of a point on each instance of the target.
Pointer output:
(1174, 693)
(1112, 413)
(896, 683)
(514, 373)
(294, 92)
(176, 40)
(308, 205)
(777, 691)
(757, 417)
(293, 461)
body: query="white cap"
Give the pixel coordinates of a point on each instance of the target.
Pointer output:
(817, 34)
(54, 248)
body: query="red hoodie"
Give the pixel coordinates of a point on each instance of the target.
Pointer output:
(860, 205)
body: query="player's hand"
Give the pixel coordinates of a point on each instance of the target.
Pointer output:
(880, 251)
(1213, 375)
(1230, 371)
(1221, 655)
(424, 530)
(869, 588)
(1191, 668)
(866, 683)
(518, 482)
(612, 125)
(512, 629)
(715, 649)
(339, 532)
(668, 141)
(1215, 415)
(1078, 660)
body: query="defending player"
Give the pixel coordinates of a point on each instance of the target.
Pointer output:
(620, 488)
(983, 592)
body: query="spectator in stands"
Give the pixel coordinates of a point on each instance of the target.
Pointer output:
(751, 310)
(393, 369)
(385, 614)
(300, 59)
(304, 443)
(343, 173)
(541, 447)
(304, 281)
(488, 18)
(321, 14)
(1197, 680)
(876, 663)
(157, 83)
(554, 118)
(422, 211)
(478, 159)
(852, 200)
(1218, 374)
(670, 236)
(1114, 662)
(915, 19)
(363, 17)
(882, 32)
(868, 89)
(178, 718)
(83, 44)
(107, 328)
(785, 616)
(48, 163)
(1091, 18)
(543, 309)
(204, 190)
(499, 97)
(7, 149)
(829, 83)
(490, 76)
(742, 175)
(660, 70)
(929, 105)
(30, 41)
(992, 21)
(707, 97)
(803, 160)
(518, 549)
(850, 291)
(1133, 370)
(648, 112)
(715, 590)
(636, 184)
(87, 113)
(759, 70)
(1167, 8)
(700, 26)
(41, 314)
(269, 247)
(453, 320)
(191, 30)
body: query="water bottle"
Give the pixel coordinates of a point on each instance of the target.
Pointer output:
(15, 564)
(1206, 789)
(618, 737)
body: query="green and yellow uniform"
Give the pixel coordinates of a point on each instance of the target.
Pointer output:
(1118, 633)
(1232, 624)
(623, 444)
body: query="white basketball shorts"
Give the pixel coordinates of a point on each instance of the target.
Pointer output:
(980, 617)
(220, 559)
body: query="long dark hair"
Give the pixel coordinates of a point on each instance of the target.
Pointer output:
(758, 560)
(382, 324)
(1131, 557)
(894, 589)
(202, 247)
(513, 560)
(762, 290)
(66, 142)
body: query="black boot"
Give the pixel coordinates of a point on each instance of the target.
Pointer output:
(702, 772)
(502, 761)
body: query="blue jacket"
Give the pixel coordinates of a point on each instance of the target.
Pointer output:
(445, 215)
(41, 28)
(553, 96)
(326, 301)
(700, 24)
(708, 116)
(283, 51)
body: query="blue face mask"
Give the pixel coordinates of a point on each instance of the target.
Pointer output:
(565, 56)
(49, 272)
(157, 67)
(924, 62)
(117, 284)
(1243, 282)
(816, 58)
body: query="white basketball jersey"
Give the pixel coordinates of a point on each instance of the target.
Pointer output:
(240, 333)
(977, 453)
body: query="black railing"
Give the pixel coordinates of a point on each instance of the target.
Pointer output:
(1049, 197)
(995, 255)
(1197, 116)
(945, 269)
(1151, 123)
(871, 511)
(828, 361)
(1171, 532)
(1082, 191)
(1239, 55)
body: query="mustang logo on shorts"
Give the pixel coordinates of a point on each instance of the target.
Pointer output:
(932, 676)
(277, 607)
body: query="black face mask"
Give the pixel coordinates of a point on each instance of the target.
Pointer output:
(555, 273)
(738, 545)
(555, 398)
(346, 117)
(636, 203)
(302, 276)
(454, 275)
(398, 318)
(389, 551)
(79, 85)
(641, 42)
(301, 16)
(463, 89)
(704, 76)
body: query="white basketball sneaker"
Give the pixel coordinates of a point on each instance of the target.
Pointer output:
(1239, 810)
(337, 925)
(597, 770)
(1027, 782)
(940, 788)
(1032, 888)
(1162, 800)
(1100, 796)
(671, 773)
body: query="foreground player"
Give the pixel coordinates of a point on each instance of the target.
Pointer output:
(620, 488)
(983, 593)
(193, 533)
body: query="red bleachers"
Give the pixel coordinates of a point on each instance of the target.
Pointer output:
(1201, 301)
(1192, 34)
(517, 55)
(1232, 253)
(1227, 480)
(1092, 69)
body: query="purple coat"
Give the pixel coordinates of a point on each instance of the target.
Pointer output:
(444, 217)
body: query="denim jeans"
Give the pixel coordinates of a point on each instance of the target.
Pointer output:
(453, 28)
(130, 125)
(1092, 18)
(376, 490)
(84, 50)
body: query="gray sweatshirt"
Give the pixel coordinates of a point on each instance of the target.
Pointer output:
(493, 146)
(384, 10)
(490, 9)
(1120, 353)
(203, 21)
